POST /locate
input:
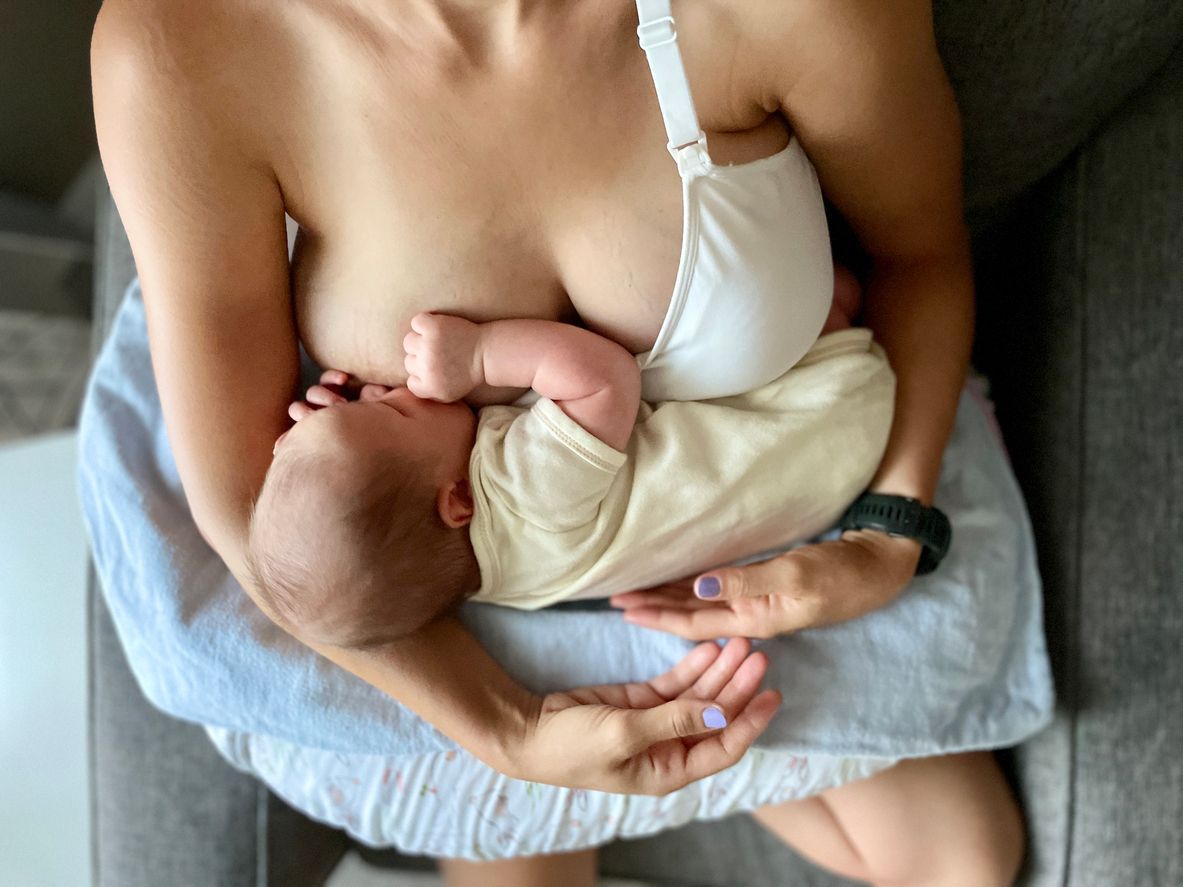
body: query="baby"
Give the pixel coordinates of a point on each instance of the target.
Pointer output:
(381, 515)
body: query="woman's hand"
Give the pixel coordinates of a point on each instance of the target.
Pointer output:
(654, 737)
(808, 587)
(336, 386)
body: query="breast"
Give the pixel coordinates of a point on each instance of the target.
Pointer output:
(755, 282)
(469, 199)
(372, 258)
(355, 290)
(394, 224)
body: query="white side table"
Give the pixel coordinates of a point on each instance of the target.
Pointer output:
(44, 796)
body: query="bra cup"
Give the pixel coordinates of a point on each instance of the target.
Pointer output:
(759, 287)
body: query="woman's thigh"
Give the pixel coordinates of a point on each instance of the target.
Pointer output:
(926, 821)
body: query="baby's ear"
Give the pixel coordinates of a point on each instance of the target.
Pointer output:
(455, 504)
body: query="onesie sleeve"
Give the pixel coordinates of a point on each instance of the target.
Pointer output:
(539, 465)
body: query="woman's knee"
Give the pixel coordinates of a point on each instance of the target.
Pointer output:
(934, 822)
(976, 836)
(999, 848)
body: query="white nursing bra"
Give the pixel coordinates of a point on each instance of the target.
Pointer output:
(755, 279)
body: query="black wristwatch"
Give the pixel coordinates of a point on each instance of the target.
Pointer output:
(901, 516)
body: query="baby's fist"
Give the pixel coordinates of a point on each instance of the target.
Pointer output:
(443, 360)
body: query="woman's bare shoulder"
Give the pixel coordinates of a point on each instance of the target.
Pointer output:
(194, 60)
(781, 48)
(165, 39)
(178, 89)
(864, 88)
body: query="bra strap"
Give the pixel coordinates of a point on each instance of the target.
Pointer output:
(659, 39)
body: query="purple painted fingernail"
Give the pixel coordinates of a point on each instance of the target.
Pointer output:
(714, 719)
(707, 586)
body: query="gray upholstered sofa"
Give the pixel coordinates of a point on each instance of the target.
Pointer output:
(1074, 159)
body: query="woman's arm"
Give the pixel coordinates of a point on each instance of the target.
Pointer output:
(874, 110)
(205, 219)
(195, 187)
(643, 738)
(862, 85)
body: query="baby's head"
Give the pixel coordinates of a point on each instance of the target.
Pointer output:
(360, 534)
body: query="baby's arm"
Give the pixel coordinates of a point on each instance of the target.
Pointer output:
(592, 379)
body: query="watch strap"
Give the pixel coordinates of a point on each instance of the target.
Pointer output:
(902, 516)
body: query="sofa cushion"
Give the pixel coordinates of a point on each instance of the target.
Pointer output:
(1034, 77)
(1082, 334)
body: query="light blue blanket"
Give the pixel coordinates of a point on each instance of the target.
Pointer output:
(957, 662)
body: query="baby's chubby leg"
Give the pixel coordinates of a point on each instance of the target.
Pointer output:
(555, 870)
(929, 822)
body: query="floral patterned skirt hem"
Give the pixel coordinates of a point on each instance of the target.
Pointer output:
(449, 804)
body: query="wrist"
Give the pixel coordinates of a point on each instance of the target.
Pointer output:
(924, 531)
(506, 745)
(477, 367)
(912, 482)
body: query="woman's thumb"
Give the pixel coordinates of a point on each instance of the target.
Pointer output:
(726, 585)
(673, 720)
(782, 574)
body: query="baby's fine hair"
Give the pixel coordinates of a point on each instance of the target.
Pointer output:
(352, 552)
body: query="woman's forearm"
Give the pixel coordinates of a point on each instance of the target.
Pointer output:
(922, 313)
(443, 675)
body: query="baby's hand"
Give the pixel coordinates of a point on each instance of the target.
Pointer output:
(444, 359)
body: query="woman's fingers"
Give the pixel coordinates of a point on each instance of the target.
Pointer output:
(721, 671)
(723, 691)
(734, 696)
(811, 586)
(321, 396)
(715, 753)
(683, 676)
(695, 625)
(679, 719)
(298, 410)
(373, 391)
(678, 597)
(634, 739)
(675, 767)
(334, 377)
(774, 576)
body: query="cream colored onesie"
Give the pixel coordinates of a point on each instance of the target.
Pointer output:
(560, 515)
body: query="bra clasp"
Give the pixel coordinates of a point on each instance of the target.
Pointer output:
(692, 158)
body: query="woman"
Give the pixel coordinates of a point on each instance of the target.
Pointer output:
(504, 158)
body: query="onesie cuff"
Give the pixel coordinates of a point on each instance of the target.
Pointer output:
(577, 438)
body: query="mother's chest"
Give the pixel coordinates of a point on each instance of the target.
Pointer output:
(514, 232)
